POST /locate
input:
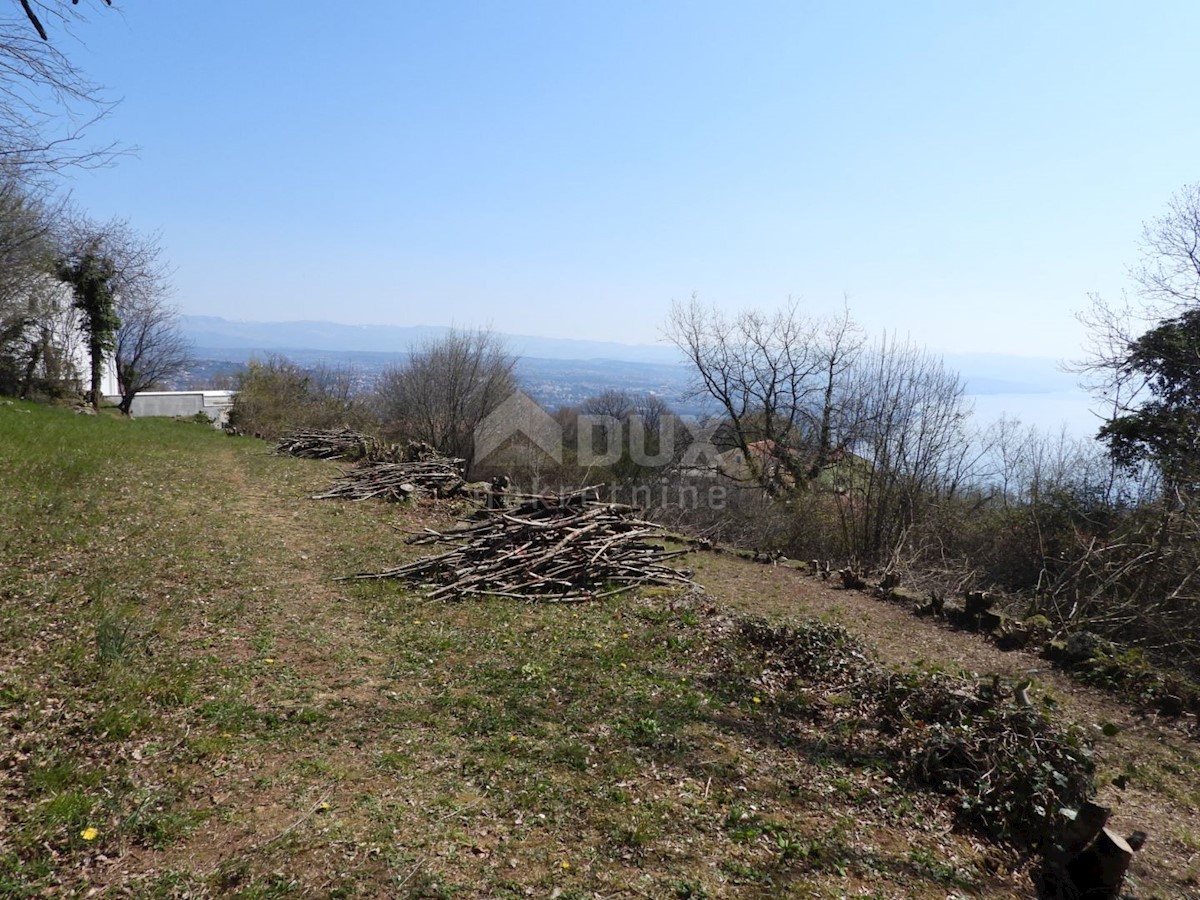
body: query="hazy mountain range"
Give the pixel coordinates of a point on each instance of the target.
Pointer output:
(558, 372)
(211, 331)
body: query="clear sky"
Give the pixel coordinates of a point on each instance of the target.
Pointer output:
(964, 172)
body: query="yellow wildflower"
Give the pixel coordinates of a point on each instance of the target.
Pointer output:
(89, 834)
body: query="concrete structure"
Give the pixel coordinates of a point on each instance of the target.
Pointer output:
(214, 404)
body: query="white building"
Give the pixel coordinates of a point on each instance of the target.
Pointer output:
(214, 404)
(83, 364)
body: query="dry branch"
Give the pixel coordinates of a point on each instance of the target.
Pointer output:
(397, 481)
(561, 549)
(333, 443)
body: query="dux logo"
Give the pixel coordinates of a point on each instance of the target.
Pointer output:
(518, 415)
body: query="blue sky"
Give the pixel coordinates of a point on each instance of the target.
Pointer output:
(965, 173)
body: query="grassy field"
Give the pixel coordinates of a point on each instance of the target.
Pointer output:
(191, 705)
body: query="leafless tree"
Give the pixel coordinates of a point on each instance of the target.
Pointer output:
(27, 215)
(340, 384)
(447, 387)
(46, 103)
(602, 422)
(35, 10)
(776, 378)
(660, 434)
(1168, 275)
(611, 404)
(1138, 575)
(148, 346)
(876, 434)
(905, 430)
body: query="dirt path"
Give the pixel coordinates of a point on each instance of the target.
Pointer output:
(299, 658)
(1160, 764)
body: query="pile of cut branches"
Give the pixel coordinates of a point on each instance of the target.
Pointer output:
(559, 549)
(332, 443)
(398, 481)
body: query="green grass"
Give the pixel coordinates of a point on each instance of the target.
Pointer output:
(182, 673)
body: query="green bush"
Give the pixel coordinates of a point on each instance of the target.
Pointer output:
(278, 396)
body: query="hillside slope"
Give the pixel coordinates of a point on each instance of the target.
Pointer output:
(191, 705)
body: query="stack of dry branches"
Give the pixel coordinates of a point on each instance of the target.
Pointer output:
(331, 443)
(398, 481)
(561, 549)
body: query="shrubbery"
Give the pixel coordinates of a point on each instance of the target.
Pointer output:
(1009, 766)
(276, 396)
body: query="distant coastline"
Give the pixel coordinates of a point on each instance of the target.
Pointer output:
(561, 372)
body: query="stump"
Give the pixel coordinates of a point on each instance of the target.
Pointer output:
(852, 580)
(978, 602)
(1088, 860)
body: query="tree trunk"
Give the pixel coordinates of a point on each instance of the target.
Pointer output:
(35, 356)
(1099, 870)
(97, 354)
(1087, 861)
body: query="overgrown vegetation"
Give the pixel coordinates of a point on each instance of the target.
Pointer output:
(275, 397)
(1009, 766)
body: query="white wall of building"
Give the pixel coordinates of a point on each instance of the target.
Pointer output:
(214, 404)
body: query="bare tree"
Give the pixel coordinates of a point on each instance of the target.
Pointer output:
(1138, 575)
(46, 103)
(1169, 272)
(660, 435)
(775, 376)
(633, 439)
(146, 346)
(905, 428)
(447, 387)
(27, 214)
(149, 347)
(602, 423)
(57, 10)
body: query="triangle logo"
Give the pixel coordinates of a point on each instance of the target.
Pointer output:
(518, 415)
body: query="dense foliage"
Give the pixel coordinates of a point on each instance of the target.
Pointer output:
(1165, 429)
